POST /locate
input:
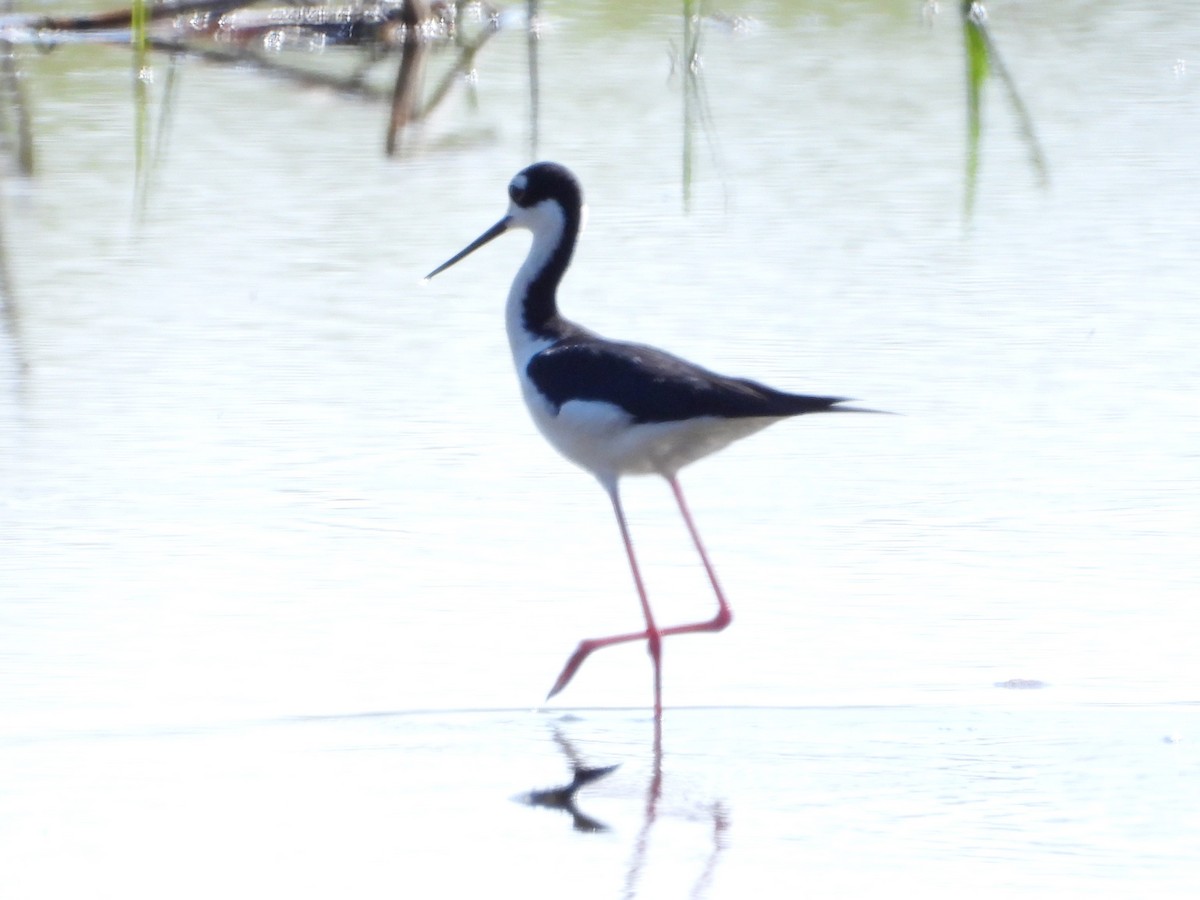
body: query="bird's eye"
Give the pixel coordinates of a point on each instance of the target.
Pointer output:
(516, 193)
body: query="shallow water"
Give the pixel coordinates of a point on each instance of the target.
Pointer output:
(258, 482)
(833, 801)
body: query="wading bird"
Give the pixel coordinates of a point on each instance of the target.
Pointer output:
(617, 408)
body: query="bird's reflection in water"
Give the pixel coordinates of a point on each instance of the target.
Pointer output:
(564, 796)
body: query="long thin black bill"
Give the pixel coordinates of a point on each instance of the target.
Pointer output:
(490, 235)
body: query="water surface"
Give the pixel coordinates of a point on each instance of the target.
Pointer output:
(257, 482)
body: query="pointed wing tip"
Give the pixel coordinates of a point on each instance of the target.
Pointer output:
(861, 409)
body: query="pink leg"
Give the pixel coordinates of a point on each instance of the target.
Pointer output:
(724, 614)
(652, 634)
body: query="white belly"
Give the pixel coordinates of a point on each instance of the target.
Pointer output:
(603, 439)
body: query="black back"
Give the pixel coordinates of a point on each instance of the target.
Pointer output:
(652, 385)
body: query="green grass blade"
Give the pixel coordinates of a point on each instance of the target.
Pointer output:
(975, 43)
(140, 46)
(1024, 120)
(688, 64)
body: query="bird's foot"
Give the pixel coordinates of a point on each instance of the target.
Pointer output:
(589, 646)
(582, 652)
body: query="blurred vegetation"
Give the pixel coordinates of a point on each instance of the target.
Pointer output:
(282, 40)
(983, 60)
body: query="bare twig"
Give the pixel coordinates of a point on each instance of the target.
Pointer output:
(123, 18)
(408, 78)
(465, 62)
(352, 84)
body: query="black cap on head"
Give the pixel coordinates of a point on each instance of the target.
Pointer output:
(546, 181)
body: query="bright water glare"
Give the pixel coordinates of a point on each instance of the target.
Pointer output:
(280, 551)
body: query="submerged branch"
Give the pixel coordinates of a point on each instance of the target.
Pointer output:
(123, 18)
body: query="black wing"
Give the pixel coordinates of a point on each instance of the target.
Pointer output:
(654, 386)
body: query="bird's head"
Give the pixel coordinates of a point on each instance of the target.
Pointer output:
(544, 198)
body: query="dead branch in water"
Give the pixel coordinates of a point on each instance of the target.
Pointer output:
(243, 33)
(408, 77)
(123, 18)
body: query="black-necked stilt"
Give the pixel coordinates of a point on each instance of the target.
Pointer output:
(617, 408)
